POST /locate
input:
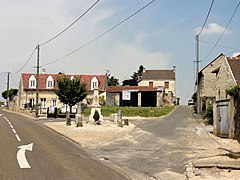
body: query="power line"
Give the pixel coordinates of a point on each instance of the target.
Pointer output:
(222, 33)
(54, 37)
(25, 62)
(101, 35)
(13, 81)
(206, 18)
(197, 57)
(219, 45)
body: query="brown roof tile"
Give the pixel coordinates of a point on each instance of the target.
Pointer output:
(159, 74)
(234, 64)
(115, 89)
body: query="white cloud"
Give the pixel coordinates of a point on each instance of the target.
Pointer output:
(212, 28)
(122, 58)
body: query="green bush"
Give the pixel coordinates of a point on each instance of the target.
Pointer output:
(134, 111)
(209, 115)
(96, 116)
(102, 100)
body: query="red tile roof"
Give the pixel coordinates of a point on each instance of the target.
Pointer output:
(115, 89)
(43, 79)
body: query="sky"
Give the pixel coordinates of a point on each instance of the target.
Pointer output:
(159, 37)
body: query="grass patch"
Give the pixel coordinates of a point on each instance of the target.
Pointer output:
(134, 111)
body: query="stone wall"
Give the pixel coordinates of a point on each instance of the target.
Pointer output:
(208, 79)
(224, 80)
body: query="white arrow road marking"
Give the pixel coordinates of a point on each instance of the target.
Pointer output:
(22, 161)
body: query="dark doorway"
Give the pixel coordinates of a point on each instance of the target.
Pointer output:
(148, 99)
(132, 102)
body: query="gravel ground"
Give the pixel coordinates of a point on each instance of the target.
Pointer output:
(90, 135)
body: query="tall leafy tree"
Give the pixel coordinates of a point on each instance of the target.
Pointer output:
(70, 91)
(112, 81)
(11, 94)
(137, 76)
(130, 82)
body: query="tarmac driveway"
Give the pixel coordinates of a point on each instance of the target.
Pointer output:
(155, 146)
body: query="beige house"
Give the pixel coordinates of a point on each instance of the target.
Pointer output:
(165, 79)
(47, 83)
(157, 88)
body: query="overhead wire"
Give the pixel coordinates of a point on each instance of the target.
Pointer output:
(101, 35)
(222, 32)
(25, 62)
(210, 8)
(219, 45)
(54, 37)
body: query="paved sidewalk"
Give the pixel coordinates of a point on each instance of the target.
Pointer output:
(216, 158)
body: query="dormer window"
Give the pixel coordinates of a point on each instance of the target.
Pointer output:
(94, 83)
(50, 82)
(32, 82)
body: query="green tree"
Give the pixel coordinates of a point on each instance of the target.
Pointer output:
(70, 92)
(11, 94)
(137, 76)
(112, 81)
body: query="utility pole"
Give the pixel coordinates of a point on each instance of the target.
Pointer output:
(197, 70)
(106, 79)
(8, 90)
(37, 79)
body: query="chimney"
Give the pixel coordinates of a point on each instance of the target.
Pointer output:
(144, 70)
(43, 71)
(174, 69)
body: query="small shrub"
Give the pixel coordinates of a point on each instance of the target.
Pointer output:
(209, 115)
(96, 116)
(102, 100)
(233, 91)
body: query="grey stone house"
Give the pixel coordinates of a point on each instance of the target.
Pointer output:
(206, 82)
(226, 108)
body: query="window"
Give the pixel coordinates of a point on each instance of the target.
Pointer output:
(94, 83)
(31, 103)
(54, 103)
(50, 82)
(150, 84)
(43, 102)
(166, 84)
(32, 82)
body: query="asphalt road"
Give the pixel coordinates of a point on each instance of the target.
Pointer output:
(155, 145)
(52, 156)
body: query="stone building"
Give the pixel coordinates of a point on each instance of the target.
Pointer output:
(226, 108)
(207, 80)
